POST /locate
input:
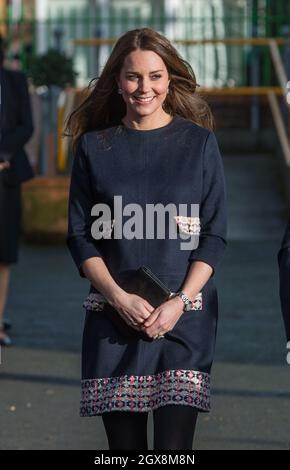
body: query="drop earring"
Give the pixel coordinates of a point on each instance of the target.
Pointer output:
(120, 90)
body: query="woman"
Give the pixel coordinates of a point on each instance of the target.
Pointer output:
(15, 130)
(284, 274)
(143, 135)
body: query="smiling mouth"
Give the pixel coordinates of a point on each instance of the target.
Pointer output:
(144, 100)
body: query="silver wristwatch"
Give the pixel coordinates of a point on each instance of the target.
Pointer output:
(187, 302)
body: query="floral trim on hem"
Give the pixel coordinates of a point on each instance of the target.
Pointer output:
(145, 392)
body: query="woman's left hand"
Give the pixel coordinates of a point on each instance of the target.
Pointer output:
(163, 318)
(4, 165)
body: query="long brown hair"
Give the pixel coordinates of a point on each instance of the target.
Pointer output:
(104, 106)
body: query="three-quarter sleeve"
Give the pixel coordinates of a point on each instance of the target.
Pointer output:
(79, 239)
(212, 211)
(284, 275)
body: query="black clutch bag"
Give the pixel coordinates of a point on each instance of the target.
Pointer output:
(147, 285)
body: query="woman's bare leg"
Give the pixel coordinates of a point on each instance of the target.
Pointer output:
(4, 285)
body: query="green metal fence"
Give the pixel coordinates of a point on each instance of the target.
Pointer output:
(213, 64)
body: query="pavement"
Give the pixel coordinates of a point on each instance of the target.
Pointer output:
(40, 374)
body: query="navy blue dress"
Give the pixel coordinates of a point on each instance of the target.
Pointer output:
(284, 274)
(179, 163)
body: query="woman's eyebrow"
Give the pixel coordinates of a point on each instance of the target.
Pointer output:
(154, 71)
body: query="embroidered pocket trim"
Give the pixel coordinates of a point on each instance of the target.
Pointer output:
(189, 225)
(95, 302)
(107, 228)
(197, 303)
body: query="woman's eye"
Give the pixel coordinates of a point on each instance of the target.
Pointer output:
(132, 77)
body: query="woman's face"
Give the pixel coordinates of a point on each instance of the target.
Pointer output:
(143, 75)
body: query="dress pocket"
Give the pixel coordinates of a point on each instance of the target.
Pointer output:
(95, 302)
(197, 303)
(107, 228)
(188, 225)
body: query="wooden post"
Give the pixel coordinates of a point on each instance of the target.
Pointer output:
(279, 123)
(3, 13)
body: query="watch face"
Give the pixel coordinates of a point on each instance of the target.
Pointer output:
(188, 306)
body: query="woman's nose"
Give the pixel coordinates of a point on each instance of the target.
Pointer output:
(144, 86)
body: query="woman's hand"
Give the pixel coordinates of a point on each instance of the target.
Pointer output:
(164, 317)
(4, 165)
(133, 309)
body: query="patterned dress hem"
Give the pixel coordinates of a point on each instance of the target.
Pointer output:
(145, 393)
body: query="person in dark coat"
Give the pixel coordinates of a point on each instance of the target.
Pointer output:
(144, 138)
(284, 274)
(16, 128)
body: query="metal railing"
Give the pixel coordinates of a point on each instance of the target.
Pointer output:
(215, 63)
(229, 52)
